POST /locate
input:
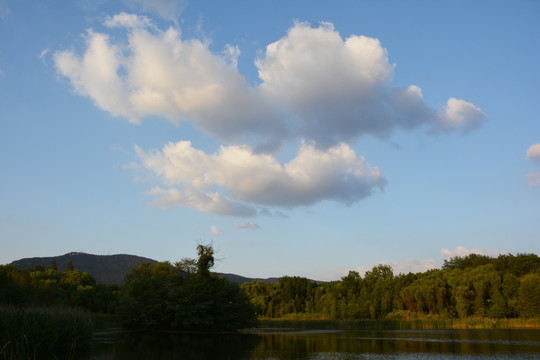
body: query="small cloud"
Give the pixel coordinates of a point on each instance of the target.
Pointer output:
(249, 225)
(461, 115)
(128, 21)
(43, 54)
(215, 231)
(411, 265)
(403, 266)
(533, 153)
(462, 251)
(276, 214)
(533, 179)
(131, 166)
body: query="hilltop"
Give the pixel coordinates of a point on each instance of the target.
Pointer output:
(106, 269)
(109, 269)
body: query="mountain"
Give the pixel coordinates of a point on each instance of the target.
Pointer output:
(237, 279)
(109, 269)
(106, 269)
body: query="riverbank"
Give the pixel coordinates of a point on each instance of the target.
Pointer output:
(401, 324)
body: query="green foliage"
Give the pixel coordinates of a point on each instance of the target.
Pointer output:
(529, 296)
(164, 296)
(47, 287)
(474, 286)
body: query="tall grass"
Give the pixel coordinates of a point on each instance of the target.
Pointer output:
(424, 323)
(43, 333)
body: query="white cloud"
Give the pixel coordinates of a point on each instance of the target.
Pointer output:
(128, 21)
(158, 73)
(215, 231)
(312, 176)
(199, 200)
(340, 89)
(533, 153)
(462, 251)
(461, 115)
(411, 265)
(43, 54)
(249, 225)
(403, 266)
(315, 85)
(533, 179)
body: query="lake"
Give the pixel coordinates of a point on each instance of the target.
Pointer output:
(286, 343)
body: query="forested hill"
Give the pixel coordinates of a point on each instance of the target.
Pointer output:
(106, 269)
(109, 269)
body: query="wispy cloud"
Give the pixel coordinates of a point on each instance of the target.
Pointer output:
(533, 153)
(463, 251)
(131, 166)
(43, 55)
(215, 231)
(247, 225)
(533, 179)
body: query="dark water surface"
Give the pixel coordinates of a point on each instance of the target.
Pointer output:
(291, 344)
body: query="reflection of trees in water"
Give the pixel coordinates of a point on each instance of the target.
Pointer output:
(180, 346)
(302, 346)
(306, 345)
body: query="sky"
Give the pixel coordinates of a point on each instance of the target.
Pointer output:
(301, 138)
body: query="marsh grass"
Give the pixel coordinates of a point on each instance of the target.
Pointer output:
(43, 333)
(421, 323)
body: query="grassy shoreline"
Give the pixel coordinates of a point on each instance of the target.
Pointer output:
(401, 324)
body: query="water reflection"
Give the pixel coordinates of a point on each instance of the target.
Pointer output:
(321, 345)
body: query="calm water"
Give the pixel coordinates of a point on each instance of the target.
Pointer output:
(273, 344)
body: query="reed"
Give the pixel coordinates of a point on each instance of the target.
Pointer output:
(426, 323)
(32, 333)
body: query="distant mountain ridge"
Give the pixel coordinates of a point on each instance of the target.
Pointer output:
(106, 269)
(109, 269)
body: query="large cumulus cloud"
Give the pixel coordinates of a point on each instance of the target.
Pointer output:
(314, 85)
(316, 88)
(235, 179)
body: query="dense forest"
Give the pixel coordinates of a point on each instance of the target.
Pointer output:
(187, 295)
(473, 286)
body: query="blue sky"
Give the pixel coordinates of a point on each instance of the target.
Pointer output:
(302, 138)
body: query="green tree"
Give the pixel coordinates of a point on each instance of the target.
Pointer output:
(206, 259)
(529, 296)
(163, 296)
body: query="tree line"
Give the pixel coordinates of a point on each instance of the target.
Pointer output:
(52, 287)
(472, 286)
(187, 295)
